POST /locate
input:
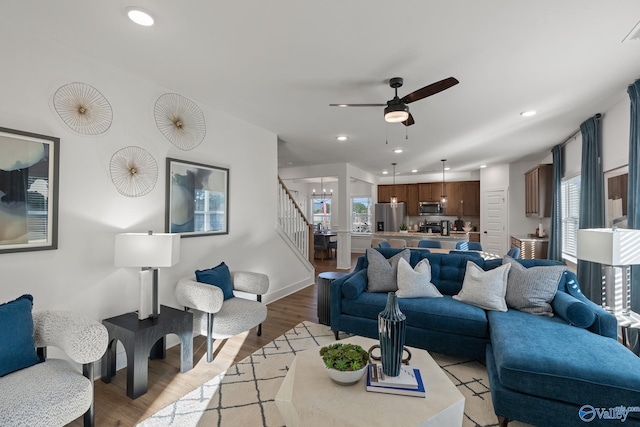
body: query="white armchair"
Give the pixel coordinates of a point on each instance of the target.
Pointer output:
(224, 319)
(54, 392)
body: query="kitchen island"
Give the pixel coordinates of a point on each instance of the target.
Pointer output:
(448, 242)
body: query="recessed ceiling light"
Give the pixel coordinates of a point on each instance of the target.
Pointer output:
(385, 172)
(341, 138)
(414, 170)
(447, 168)
(398, 150)
(483, 166)
(342, 105)
(140, 16)
(528, 113)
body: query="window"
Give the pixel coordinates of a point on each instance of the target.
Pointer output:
(570, 196)
(361, 214)
(321, 209)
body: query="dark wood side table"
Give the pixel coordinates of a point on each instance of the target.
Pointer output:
(324, 302)
(145, 339)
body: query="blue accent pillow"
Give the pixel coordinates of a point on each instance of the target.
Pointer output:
(355, 285)
(217, 276)
(17, 348)
(573, 311)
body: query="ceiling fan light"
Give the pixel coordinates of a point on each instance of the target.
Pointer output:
(396, 113)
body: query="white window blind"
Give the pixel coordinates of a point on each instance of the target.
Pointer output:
(570, 194)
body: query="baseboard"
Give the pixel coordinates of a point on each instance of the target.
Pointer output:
(283, 292)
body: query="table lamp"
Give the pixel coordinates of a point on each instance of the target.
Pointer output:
(613, 248)
(148, 251)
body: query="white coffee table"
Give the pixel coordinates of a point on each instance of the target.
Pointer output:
(308, 397)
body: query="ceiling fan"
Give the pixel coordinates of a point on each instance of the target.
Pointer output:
(396, 109)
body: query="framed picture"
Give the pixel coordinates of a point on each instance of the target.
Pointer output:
(197, 199)
(616, 184)
(29, 166)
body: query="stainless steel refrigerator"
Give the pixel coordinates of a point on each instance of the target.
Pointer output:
(388, 218)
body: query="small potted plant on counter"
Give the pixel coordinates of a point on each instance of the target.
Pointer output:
(345, 363)
(403, 228)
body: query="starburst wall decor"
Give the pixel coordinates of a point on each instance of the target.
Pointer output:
(83, 108)
(180, 120)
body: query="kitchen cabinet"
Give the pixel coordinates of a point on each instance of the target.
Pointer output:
(386, 191)
(617, 188)
(454, 199)
(471, 198)
(429, 191)
(531, 247)
(412, 199)
(538, 191)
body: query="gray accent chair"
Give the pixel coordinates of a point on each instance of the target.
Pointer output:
(54, 392)
(219, 319)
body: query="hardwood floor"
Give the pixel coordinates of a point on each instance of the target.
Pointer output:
(166, 384)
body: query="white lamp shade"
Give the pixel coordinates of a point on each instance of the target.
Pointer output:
(147, 250)
(615, 247)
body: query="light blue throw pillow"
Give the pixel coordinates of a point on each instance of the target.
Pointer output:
(17, 348)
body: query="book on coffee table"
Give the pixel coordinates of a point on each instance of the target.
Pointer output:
(406, 378)
(418, 391)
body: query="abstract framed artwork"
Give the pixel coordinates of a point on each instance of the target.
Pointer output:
(616, 184)
(197, 198)
(29, 169)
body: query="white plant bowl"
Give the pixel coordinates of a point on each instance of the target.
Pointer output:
(346, 377)
(467, 229)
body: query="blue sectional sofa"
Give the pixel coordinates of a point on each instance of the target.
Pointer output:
(564, 370)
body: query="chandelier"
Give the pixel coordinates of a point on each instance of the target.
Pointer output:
(324, 195)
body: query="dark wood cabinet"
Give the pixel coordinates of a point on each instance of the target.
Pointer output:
(412, 199)
(429, 191)
(617, 188)
(531, 248)
(454, 199)
(463, 197)
(471, 198)
(538, 191)
(386, 191)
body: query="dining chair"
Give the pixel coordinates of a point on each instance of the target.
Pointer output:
(469, 246)
(398, 243)
(320, 244)
(429, 244)
(514, 252)
(332, 246)
(375, 241)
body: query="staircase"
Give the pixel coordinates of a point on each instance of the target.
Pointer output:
(293, 223)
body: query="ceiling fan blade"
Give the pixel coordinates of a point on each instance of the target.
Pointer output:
(357, 105)
(409, 121)
(431, 89)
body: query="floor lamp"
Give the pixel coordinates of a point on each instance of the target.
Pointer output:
(148, 251)
(614, 248)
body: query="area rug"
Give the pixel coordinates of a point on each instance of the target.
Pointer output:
(244, 394)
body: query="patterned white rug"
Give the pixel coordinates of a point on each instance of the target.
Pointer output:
(244, 394)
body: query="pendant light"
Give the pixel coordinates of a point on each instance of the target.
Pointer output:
(324, 195)
(443, 198)
(394, 199)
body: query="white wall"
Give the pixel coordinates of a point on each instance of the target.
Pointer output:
(80, 275)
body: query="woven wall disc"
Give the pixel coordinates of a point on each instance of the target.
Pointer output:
(180, 120)
(134, 172)
(83, 108)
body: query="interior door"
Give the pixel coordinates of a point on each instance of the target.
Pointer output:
(494, 222)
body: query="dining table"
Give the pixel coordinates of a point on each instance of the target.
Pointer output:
(483, 254)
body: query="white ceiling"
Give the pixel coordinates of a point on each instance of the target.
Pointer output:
(279, 64)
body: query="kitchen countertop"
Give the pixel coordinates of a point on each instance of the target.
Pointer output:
(457, 236)
(530, 238)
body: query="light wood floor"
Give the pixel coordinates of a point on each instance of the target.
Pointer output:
(166, 384)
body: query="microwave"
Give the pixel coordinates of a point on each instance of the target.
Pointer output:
(430, 208)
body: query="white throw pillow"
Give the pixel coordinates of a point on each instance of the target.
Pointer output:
(415, 283)
(485, 289)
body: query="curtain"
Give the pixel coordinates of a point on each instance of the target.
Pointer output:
(591, 202)
(633, 199)
(555, 237)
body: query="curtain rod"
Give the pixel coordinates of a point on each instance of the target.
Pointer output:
(573, 135)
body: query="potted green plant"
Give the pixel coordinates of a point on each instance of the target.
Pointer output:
(345, 363)
(403, 228)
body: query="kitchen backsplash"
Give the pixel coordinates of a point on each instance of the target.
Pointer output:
(413, 222)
